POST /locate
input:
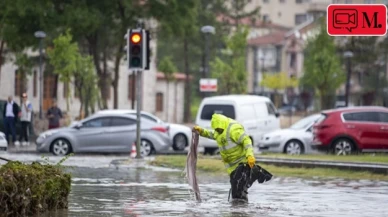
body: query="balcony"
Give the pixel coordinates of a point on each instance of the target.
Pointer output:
(319, 5)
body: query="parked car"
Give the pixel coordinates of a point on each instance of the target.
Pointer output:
(256, 113)
(180, 135)
(3, 143)
(18, 123)
(105, 133)
(295, 140)
(346, 130)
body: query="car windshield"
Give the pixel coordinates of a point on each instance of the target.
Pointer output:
(305, 122)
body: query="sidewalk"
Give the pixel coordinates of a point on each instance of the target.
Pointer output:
(22, 149)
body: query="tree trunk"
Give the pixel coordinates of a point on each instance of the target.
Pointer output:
(167, 99)
(187, 107)
(116, 75)
(1, 55)
(176, 102)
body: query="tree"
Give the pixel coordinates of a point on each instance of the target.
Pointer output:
(279, 81)
(231, 72)
(168, 68)
(70, 65)
(322, 66)
(63, 57)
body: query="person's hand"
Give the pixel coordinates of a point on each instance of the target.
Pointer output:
(251, 161)
(197, 129)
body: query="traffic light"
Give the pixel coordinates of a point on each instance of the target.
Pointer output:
(138, 49)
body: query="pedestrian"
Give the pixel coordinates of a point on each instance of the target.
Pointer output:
(237, 154)
(26, 115)
(54, 115)
(10, 114)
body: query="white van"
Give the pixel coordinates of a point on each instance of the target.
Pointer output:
(257, 114)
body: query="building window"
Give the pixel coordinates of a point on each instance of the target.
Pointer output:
(19, 87)
(159, 102)
(300, 18)
(282, 1)
(266, 1)
(299, 1)
(292, 60)
(65, 90)
(34, 85)
(265, 17)
(131, 87)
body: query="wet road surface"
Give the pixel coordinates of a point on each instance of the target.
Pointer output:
(102, 189)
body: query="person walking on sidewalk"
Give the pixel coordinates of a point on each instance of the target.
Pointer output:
(25, 119)
(10, 114)
(54, 115)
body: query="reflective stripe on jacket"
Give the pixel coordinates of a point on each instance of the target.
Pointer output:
(234, 144)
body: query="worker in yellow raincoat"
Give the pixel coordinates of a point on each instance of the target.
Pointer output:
(236, 151)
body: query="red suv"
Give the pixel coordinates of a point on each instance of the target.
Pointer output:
(346, 130)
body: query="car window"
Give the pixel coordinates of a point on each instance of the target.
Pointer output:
(209, 110)
(362, 116)
(383, 117)
(97, 122)
(117, 122)
(261, 110)
(271, 108)
(149, 118)
(247, 112)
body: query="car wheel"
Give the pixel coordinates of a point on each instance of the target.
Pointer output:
(293, 147)
(180, 142)
(146, 148)
(343, 147)
(61, 147)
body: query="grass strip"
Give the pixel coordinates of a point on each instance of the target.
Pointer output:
(215, 166)
(365, 158)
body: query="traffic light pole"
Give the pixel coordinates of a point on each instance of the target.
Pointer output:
(138, 108)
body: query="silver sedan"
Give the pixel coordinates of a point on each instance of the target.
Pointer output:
(105, 133)
(294, 140)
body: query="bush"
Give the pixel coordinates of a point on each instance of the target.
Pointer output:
(29, 189)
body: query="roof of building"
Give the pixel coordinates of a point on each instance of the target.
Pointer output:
(276, 37)
(251, 22)
(239, 98)
(177, 76)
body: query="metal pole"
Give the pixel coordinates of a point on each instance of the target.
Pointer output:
(40, 81)
(138, 105)
(347, 88)
(207, 55)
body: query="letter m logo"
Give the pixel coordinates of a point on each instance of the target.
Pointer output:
(370, 21)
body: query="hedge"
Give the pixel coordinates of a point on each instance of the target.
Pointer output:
(30, 189)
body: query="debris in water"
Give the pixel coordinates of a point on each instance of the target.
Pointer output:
(191, 166)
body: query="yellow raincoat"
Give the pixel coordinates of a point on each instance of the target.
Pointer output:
(235, 146)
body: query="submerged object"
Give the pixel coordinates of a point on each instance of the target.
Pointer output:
(191, 166)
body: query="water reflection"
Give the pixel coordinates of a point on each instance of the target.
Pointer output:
(141, 192)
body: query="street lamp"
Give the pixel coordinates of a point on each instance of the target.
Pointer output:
(40, 35)
(207, 30)
(348, 55)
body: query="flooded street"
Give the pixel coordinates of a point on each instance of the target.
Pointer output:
(103, 189)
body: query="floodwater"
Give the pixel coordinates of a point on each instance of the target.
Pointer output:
(103, 189)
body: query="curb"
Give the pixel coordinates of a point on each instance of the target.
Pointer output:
(354, 166)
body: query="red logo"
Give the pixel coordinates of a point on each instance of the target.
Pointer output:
(356, 20)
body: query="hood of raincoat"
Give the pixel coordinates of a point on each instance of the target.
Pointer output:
(219, 121)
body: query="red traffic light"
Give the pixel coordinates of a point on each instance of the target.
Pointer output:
(135, 38)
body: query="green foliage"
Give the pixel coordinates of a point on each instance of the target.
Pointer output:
(231, 72)
(279, 81)
(71, 65)
(167, 67)
(322, 66)
(29, 189)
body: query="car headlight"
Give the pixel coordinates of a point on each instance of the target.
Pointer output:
(277, 137)
(46, 135)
